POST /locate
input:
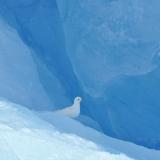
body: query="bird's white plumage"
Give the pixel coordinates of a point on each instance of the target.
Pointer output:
(71, 111)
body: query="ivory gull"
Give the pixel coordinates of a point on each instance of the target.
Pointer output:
(71, 111)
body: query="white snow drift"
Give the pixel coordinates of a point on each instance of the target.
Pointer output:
(24, 136)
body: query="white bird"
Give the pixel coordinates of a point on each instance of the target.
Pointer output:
(71, 111)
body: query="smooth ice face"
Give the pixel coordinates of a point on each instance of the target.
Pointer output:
(19, 80)
(106, 39)
(114, 49)
(39, 25)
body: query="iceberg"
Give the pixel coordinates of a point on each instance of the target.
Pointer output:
(105, 51)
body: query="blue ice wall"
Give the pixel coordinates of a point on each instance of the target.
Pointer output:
(133, 108)
(113, 40)
(106, 51)
(39, 25)
(19, 79)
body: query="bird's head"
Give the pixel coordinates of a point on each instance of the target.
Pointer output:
(77, 100)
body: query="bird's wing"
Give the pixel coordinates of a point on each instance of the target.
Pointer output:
(68, 111)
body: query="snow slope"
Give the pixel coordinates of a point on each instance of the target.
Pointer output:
(25, 136)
